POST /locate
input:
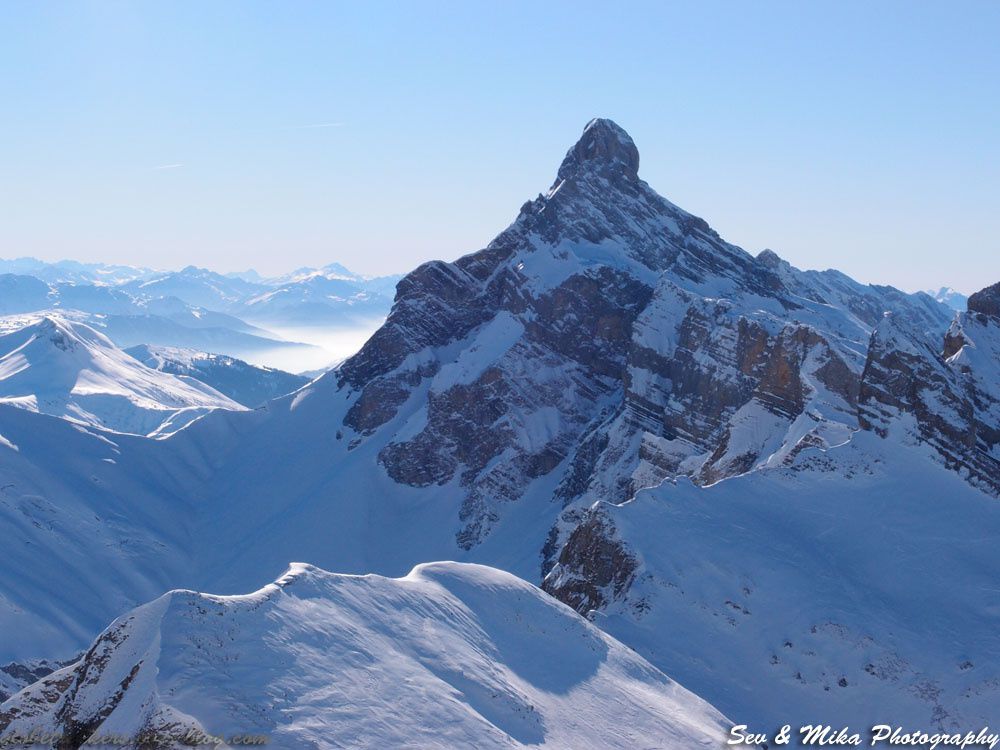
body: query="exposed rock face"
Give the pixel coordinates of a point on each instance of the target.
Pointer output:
(73, 703)
(908, 390)
(986, 302)
(951, 400)
(606, 147)
(614, 339)
(14, 676)
(594, 568)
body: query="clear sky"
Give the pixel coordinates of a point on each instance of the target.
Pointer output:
(858, 135)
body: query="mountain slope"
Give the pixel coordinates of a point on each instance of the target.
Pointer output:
(820, 573)
(852, 587)
(67, 369)
(234, 378)
(449, 656)
(610, 348)
(196, 286)
(95, 523)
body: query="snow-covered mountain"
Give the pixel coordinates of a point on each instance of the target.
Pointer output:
(707, 452)
(335, 271)
(331, 295)
(71, 271)
(449, 656)
(315, 300)
(67, 369)
(301, 320)
(196, 286)
(611, 336)
(129, 321)
(948, 296)
(242, 382)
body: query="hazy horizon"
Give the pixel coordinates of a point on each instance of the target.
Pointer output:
(390, 272)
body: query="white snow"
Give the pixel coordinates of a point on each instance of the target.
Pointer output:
(67, 369)
(450, 656)
(483, 347)
(867, 564)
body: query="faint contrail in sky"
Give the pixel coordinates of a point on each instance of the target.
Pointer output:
(168, 166)
(317, 125)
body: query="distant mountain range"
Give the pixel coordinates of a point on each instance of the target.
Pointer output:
(951, 298)
(199, 309)
(779, 487)
(70, 370)
(331, 295)
(73, 272)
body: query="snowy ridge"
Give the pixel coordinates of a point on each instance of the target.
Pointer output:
(67, 369)
(449, 656)
(946, 396)
(244, 383)
(71, 271)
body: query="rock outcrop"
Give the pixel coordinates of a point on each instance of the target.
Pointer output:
(986, 302)
(946, 396)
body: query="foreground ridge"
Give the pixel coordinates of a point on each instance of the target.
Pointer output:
(450, 656)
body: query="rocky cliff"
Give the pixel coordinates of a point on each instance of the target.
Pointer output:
(612, 340)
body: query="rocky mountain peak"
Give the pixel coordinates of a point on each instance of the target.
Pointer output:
(769, 258)
(986, 301)
(605, 148)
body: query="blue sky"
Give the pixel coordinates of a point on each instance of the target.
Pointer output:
(862, 136)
